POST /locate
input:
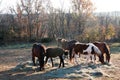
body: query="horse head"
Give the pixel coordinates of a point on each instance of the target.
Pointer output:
(101, 59)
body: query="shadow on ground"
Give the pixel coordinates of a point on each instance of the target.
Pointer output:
(25, 71)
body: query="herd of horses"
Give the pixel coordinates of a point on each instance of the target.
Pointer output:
(70, 48)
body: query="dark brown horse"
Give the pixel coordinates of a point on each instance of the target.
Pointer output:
(54, 52)
(87, 49)
(38, 51)
(104, 48)
(67, 45)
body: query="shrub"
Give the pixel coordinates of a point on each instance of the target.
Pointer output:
(46, 40)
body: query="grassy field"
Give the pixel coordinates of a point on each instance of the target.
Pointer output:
(16, 64)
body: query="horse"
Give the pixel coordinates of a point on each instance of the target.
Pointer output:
(60, 40)
(38, 50)
(87, 49)
(54, 52)
(67, 45)
(104, 48)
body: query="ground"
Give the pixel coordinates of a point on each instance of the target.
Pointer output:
(16, 64)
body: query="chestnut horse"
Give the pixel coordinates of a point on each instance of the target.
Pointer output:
(87, 49)
(38, 51)
(104, 48)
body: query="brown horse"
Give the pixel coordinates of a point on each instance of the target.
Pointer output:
(67, 45)
(104, 48)
(38, 51)
(87, 49)
(54, 52)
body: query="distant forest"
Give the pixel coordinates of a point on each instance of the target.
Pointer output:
(34, 20)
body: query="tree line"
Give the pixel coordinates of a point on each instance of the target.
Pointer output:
(33, 20)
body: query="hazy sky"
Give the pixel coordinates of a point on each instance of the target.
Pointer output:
(107, 5)
(101, 5)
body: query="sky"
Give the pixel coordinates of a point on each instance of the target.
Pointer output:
(106, 5)
(100, 5)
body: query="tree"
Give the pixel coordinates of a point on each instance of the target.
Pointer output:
(82, 10)
(110, 32)
(30, 17)
(102, 33)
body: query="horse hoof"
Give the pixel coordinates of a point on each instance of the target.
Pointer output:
(59, 66)
(34, 65)
(42, 69)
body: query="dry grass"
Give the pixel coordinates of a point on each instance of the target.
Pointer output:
(15, 64)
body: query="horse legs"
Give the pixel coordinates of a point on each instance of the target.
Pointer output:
(107, 58)
(72, 55)
(93, 58)
(88, 57)
(61, 61)
(41, 63)
(75, 58)
(52, 62)
(46, 60)
(33, 59)
(70, 52)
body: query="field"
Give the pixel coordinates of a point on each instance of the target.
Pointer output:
(16, 64)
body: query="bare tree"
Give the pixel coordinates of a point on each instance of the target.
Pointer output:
(82, 10)
(30, 17)
(27, 9)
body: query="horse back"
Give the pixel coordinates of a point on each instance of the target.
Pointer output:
(54, 52)
(104, 48)
(38, 50)
(80, 47)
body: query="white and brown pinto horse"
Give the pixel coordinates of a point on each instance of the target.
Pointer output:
(88, 49)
